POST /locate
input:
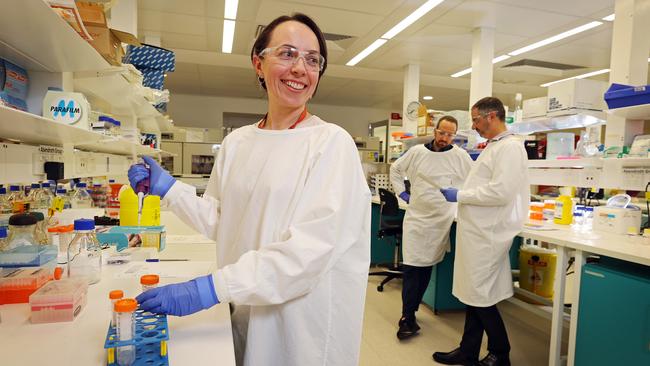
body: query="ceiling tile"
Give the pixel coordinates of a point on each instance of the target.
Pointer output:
(577, 8)
(188, 7)
(376, 7)
(153, 20)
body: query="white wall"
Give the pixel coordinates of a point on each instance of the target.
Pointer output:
(207, 112)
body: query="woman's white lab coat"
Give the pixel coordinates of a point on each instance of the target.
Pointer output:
(429, 216)
(492, 207)
(290, 212)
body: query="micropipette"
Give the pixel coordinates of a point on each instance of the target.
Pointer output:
(142, 189)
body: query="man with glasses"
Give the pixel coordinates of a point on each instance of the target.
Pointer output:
(428, 218)
(492, 206)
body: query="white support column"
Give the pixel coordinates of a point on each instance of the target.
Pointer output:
(411, 94)
(629, 62)
(124, 16)
(482, 55)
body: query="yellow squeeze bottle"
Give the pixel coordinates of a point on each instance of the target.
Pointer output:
(563, 210)
(129, 205)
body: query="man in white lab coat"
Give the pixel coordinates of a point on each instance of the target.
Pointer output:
(492, 207)
(427, 222)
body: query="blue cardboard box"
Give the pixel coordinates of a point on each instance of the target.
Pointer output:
(150, 57)
(620, 95)
(153, 78)
(13, 85)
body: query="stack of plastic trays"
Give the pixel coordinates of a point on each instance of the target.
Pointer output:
(151, 336)
(17, 284)
(58, 301)
(28, 256)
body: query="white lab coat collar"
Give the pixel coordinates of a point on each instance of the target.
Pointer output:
(501, 136)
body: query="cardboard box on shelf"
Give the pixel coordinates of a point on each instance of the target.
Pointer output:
(108, 43)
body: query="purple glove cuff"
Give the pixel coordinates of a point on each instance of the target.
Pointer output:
(207, 293)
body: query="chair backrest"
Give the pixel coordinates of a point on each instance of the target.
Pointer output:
(389, 204)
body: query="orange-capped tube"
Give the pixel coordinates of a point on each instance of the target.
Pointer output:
(149, 281)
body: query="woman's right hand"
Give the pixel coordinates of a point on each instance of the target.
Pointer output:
(160, 181)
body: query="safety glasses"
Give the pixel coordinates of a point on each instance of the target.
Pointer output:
(287, 55)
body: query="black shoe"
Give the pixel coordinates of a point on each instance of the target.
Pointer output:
(407, 328)
(493, 360)
(454, 358)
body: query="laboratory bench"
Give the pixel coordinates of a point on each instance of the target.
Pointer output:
(204, 338)
(609, 320)
(616, 289)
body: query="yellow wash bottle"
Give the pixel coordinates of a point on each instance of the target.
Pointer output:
(563, 210)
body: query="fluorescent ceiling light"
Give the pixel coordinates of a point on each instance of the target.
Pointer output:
(500, 58)
(412, 18)
(593, 73)
(228, 35)
(370, 49)
(589, 74)
(230, 10)
(610, 18)
(461, 73)
(427, 97)
(555, 38)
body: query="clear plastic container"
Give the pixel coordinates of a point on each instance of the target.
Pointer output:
(85, 253)
(80, 197)
(125, 310)
(149, 281)
(17, 284)
(21, 231)
(58, 301)
(114, 296)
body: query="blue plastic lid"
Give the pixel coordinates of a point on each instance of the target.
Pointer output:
(97, 185)
(111, 181)
(591, 209)
(118, 123)
(104, 119)
(36, 185)
(81, 185)
(3, 232)
(46, 185)
(14, 188)
(84, 224)
(3, 190)
(61, 190)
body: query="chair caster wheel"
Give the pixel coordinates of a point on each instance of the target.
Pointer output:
(380, 288)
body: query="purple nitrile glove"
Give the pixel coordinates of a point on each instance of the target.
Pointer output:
(154, 180)
(451, 194)
(180, 299)
(405, 196)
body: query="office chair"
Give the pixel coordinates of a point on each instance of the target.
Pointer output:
(389, 225)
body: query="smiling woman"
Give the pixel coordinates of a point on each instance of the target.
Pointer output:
(289, 207)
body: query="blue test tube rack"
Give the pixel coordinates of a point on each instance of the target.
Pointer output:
(151, 336)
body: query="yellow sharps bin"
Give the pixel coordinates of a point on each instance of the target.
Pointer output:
(537, 270)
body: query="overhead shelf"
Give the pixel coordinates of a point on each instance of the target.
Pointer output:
(638, 112)
(33, 129)
(566, 163)
(36, 38)
(545, 124)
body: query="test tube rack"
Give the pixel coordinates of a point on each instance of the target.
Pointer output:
(151, 336)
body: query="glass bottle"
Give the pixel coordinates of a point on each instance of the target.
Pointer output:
(80, 197)
(3, 238)
(63, 194)
(40, 232)
(46, 196)
(84, 252)
(34, 196)
(6, 208)
(17, 198)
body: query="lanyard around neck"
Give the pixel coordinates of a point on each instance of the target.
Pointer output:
(300, 119)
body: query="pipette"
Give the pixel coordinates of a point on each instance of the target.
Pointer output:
(142, 189)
